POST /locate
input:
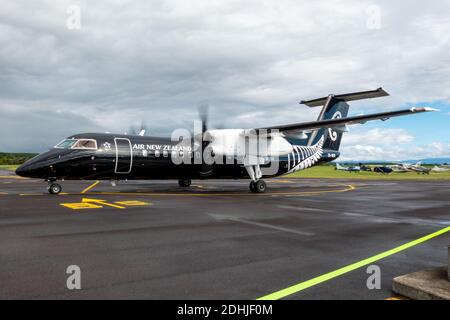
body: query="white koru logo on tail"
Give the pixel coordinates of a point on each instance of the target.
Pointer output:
(333, 134)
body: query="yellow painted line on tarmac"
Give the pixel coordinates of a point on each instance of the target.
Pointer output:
(90, 187)
(299, 193)
(13, 177)
(133, 203)
(345, 188)
(101, 202)
(339, 272)
(397, 298)
(81, 205)
(282, 181)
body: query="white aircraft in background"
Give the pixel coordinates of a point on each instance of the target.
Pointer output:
(418, 168)
(399, 168)
(442, 168)
(349, 169)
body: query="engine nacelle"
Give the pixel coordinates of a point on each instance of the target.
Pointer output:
(240, 143)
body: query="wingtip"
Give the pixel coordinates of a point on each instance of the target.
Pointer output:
(423, 109)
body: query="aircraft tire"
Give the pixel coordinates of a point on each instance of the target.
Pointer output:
(260, 186)
(185, 182)
(252, 186)
(54, 188)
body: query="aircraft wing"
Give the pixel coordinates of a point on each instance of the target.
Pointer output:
(342, 122)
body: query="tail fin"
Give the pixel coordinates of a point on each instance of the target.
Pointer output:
(336, 106)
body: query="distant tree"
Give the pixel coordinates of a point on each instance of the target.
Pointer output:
(14, 158)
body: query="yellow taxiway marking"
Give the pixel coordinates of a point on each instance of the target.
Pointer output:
(339, 272)
(132, 203)
(102, 202)
(88, 203)
(81, 205)
(90, 187)
(283, 181)
(13, 177)
(291, 193)
(397, 298)
(345, 188)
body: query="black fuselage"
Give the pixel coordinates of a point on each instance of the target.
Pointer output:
(129, 157)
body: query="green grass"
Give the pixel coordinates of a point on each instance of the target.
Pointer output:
(327, 171)
(10, 167)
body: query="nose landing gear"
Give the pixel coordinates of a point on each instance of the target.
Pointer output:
(185, 182)
(53, 187)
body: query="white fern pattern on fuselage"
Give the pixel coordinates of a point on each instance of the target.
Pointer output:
(304, 157)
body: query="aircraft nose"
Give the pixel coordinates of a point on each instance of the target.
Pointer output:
(34, 168)
(24, 170)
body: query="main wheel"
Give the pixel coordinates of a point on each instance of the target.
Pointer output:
(186, 182)
(54, 188)
(260, 186)
(252, 186)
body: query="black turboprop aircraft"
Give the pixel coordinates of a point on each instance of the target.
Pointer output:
(286, 148)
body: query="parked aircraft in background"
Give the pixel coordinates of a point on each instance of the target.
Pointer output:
(365, 168)
(399, 168)
(349, 169)
(442, 168)
(418, 168)
(383, 169)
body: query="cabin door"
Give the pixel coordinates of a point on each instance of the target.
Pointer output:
(124, 155)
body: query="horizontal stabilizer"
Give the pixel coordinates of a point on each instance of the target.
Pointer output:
(347, 97)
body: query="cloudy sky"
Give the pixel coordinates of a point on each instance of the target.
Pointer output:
(250, 61)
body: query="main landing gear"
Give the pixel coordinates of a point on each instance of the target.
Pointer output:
(53, 187)
(185, 182)
(258, 186)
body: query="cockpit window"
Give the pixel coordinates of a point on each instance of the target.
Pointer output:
(85, 144)
(66, 144)
(77, 144)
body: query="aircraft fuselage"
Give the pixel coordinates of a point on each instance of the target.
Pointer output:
(120, 157)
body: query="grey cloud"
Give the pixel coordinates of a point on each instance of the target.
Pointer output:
(251, 61)
(20, 125)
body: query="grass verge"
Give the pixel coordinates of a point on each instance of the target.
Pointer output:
(328, 172)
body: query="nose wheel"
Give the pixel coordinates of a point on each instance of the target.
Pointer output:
(54, 188)
(185, 182)
(258, 186)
